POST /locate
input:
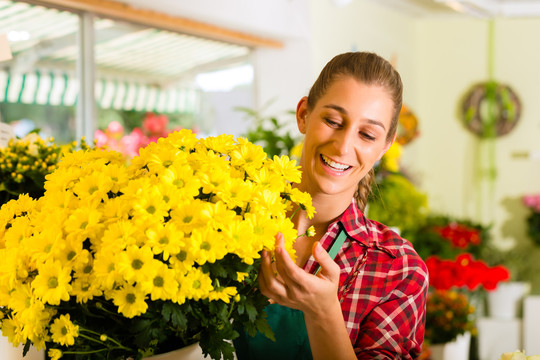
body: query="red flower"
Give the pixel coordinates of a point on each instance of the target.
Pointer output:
(464, 271)
(459, 235)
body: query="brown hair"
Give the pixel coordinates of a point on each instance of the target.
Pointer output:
(370, 69)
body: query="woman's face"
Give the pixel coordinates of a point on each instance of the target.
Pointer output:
(345, 134)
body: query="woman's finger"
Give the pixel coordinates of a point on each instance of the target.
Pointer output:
(329, 268)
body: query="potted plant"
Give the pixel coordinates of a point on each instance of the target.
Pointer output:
(120, 261)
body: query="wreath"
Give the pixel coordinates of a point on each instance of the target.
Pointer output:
(407, 126)
(505, 114)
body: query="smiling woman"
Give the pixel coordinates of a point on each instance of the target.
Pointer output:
(367, 299)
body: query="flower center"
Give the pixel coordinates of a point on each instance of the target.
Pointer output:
(158, 281)
(53, 282)
(137, 264)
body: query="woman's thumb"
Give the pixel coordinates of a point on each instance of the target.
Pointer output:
(328, 266)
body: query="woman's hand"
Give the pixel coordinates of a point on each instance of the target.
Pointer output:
(285, 283)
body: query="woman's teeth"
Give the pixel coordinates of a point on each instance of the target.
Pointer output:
(333, 164)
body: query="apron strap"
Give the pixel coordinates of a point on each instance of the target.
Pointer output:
(336, 246)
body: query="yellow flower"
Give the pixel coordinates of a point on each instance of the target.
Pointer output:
(12, 329)
(189, 215)
(55, 354)
(105, 270)
(223, 294)
(150, 206)
(267, 201)
(137, 263)
(207, 245)
(286, 168)
(303, 199)
(196, 284)
(130, 300)
(84, 222)
(235, 193)
(183, 261)
(163, 285)
(63, 331)
(23, 302)
(248, 156)
(52, 282)
(85, 288)
(93, 188)
(165, 239)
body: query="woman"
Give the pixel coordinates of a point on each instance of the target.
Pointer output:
(357, 290)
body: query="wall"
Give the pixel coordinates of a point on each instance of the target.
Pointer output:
(445, 156)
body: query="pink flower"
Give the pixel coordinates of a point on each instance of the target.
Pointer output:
(532, 201)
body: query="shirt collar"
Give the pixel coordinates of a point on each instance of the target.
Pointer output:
(367, 232)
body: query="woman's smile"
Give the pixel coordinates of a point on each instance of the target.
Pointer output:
(334, 166)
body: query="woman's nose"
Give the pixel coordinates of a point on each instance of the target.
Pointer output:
(344, 141)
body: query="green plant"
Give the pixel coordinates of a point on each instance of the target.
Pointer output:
(396, 202)
(269, 133)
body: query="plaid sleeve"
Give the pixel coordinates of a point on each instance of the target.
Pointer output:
(385, 308)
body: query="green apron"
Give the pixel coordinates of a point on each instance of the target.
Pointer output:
(289, 327)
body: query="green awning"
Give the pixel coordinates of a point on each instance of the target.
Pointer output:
(55, 88)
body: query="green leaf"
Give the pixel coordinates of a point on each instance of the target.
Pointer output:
(173, 313)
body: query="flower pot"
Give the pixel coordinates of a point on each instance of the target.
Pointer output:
(191, 352)
(505, 302)
(9, 352)
(455, 350)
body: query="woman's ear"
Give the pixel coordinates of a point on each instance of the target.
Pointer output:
(387, 146)
(301, 114)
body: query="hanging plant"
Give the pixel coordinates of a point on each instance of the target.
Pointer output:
(491, 109)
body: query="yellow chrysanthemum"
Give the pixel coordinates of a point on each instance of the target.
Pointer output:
(207, 245)
(183, 139)
(223, 294)
(248, 156)
(12, 329)
(239, 237)
(267, 179)
(267, 201)
(23, 302)
(52, 283)
(137, 263)
(105, 270)
(180, 176)
(55, 354)
(183, 261)
(150, 207)
(130, 300)
(287, 168)
(93, 188)
(165, 239)
(84, 222)
(84, 288)
(163, 286)
(196, 284)
(189, 215)
(303, 199)
(63, 331)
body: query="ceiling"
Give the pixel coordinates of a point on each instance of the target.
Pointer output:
(475, 8)
(45, 38)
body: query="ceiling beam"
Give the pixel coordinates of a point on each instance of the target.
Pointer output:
(121, 11)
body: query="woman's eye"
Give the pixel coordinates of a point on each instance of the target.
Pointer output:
(332, 123)
(367, 136)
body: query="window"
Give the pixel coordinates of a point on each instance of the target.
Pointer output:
(137, 70)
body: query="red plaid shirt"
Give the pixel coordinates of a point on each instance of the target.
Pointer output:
(382, 287)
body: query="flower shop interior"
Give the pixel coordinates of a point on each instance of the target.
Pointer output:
(460, 183)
